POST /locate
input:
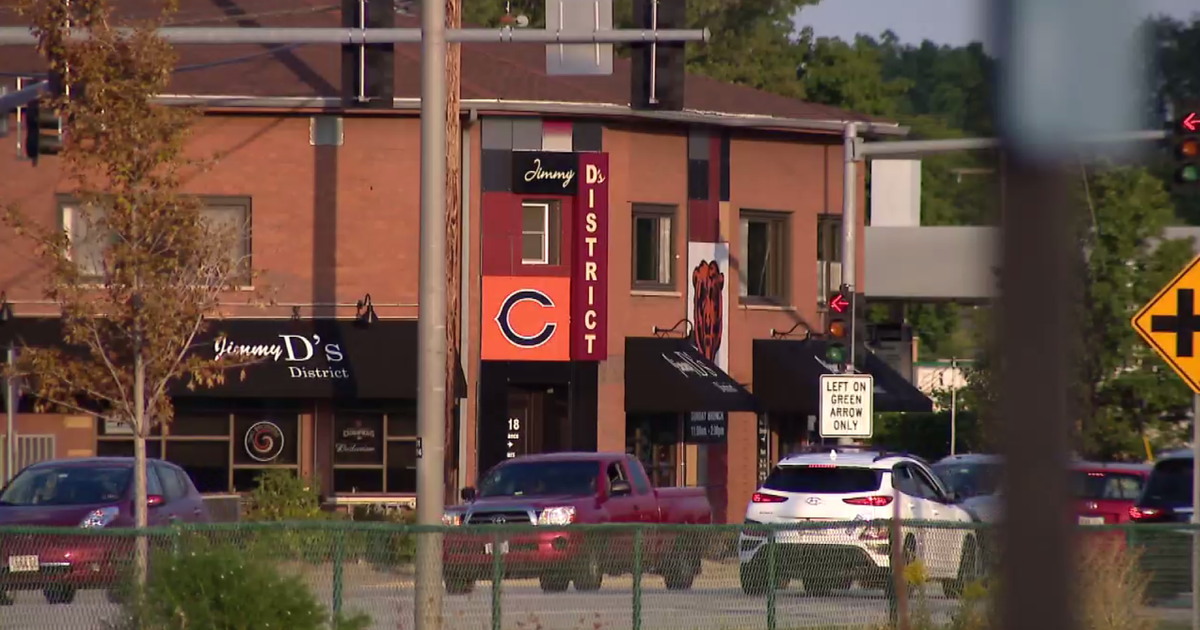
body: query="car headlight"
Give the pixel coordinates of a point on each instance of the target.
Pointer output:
(100, 518)
(564, 515)
(452, 518)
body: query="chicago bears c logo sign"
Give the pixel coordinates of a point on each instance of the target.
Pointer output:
(504, 318)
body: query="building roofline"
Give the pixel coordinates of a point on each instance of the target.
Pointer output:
(745, 121)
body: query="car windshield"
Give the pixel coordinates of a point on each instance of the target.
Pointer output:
(1170, 483)
(68, 485)
(531, 479)
(970, 480)
(1106, 486)
(823, 479)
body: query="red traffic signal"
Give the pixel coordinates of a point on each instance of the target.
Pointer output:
(838, 303)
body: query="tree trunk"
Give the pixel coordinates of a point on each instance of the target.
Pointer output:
(139, 466)
(454, 205)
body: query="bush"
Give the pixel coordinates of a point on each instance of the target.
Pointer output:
(222, 587)
(282, 497)
(385, 550)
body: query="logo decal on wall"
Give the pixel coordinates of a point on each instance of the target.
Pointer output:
(708, 326)
(504, 318)
(264, 441)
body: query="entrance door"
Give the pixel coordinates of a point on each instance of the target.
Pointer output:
(538, 420)
(654, 440)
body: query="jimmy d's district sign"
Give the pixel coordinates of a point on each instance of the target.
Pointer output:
(306, 351)
(545, 173)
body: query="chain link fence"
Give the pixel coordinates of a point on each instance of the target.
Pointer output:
(741, 577)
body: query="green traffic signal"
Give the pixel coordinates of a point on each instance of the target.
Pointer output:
(1189, 174)
(835, 353)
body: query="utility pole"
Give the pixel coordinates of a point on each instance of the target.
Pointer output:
(10, 416)
(454, 209)
(431, 319)
(953, 405)
(849, 232)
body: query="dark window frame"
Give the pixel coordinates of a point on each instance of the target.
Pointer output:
(657, 213)
(777, 290)
(829, 255)
(387, 440)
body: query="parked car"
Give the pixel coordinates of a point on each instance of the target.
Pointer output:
(853, 492)
(90, 493)
(1105, 492)
(547, 492)
(1166, 554)
(975, 479)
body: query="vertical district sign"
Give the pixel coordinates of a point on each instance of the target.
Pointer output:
(589, 273)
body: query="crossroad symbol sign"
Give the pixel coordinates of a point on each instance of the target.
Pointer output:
(1170, 322)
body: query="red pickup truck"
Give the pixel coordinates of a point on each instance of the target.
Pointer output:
(550, 492)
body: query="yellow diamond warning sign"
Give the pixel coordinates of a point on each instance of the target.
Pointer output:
(1170, 323)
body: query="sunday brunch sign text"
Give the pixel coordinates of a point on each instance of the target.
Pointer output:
(589, 274)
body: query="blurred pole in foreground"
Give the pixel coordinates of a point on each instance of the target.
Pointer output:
(1195, 512)
(1065, 74)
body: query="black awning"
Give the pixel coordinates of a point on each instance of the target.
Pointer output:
(668, 375)
(300, 359)
(787, 375)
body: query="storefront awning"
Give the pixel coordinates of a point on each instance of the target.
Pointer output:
(668, 375)
(787, 375)
(296, 359)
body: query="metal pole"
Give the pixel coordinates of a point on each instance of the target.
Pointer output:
(953, 406)
(10, 405)
(1195, 512)
(431, 322)
(22, 96)
(849, 225)
(20, 36)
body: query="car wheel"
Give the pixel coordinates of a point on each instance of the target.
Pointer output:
(681, 574)
(590, 575)
(459, 585)
(968, 570)
(554, 583)
(820, 586)
(59, 594)
(753, 576)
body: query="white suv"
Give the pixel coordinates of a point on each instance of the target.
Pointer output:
(852, 491)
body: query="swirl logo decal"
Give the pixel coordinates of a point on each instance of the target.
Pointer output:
(264, 441)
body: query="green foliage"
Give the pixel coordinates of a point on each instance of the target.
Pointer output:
(225, 587)
(928, 434)
(389, 549)
(1124, 388)
(281, 495)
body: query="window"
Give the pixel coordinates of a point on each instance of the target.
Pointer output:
(228, 217)
(829, 256)
(764, 256)
(823, 480)
(374, 452)
(173, 489)
(541, 232)
(653, 246)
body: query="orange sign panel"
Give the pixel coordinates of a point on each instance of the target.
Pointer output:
(526, 318)
(1169, 323)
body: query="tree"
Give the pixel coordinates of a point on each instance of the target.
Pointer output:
(136, 300)
(453, 234)
(1121, 391)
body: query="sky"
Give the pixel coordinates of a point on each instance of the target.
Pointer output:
(953, 22)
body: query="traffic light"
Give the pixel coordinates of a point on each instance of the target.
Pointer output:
(837, 330)
(43, 132)
(1187, 148)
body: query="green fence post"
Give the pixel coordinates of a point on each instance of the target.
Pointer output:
(637, 579)
(772, 579)
(339, 553)
(497, 581)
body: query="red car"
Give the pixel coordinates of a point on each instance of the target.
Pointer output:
(88, 493)
(1106, 491)
(547, 492)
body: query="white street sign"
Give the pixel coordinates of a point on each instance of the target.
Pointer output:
(847, 405)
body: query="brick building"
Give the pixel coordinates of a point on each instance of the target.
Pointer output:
(596, 238)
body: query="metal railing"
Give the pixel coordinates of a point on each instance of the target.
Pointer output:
(829, 574)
